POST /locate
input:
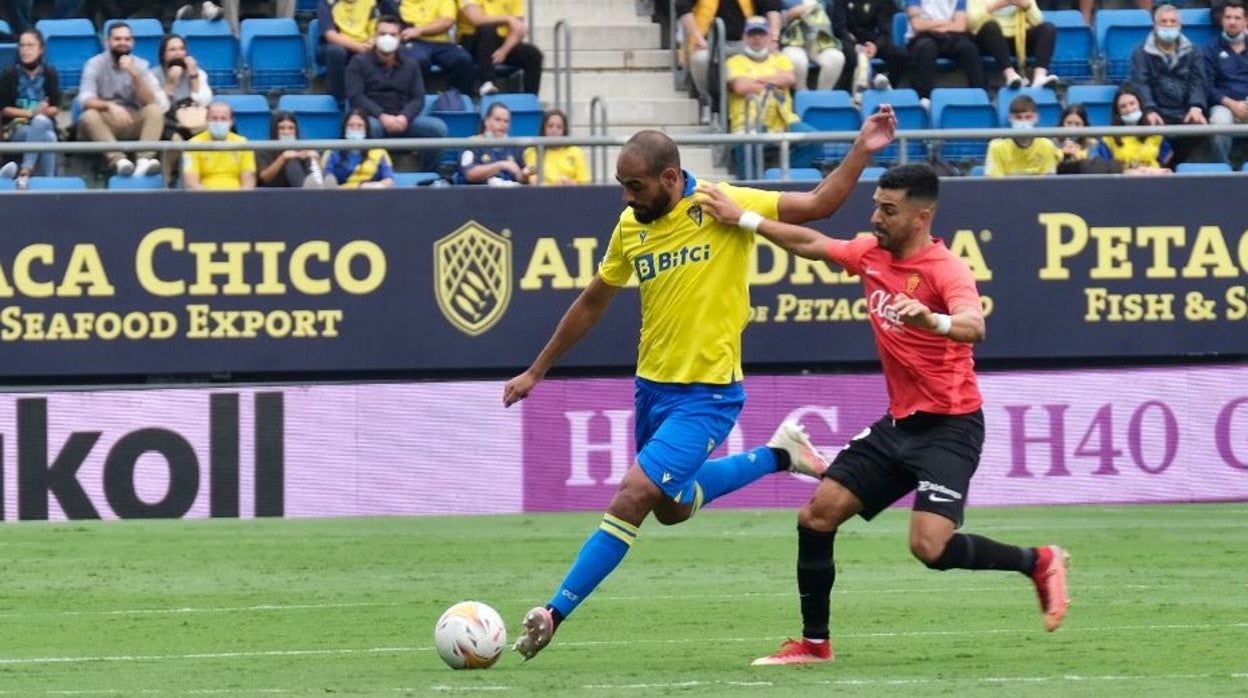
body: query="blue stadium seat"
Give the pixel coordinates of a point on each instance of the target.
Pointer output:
(314, 35)
(1202, 168)
(526, 112)
(7, 184)
(1198, 25)
(796, 174)
(1049, 110)
(8, 52)
(459, 124)
(963, 107)
(147, 35)
(304, 7)
(251, 115)
(58, 183)
(414, 179)
(154, 181)
(319, 115)
(212, 44)
(69, 42)
(1098, 100)
(871, 174)
(910, 115)
(978, 171)
(275, 54)
(1118, 33)
(1076, 45)
(829, 110)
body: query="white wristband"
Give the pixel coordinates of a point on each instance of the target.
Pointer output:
(750, 221)
(944, 323)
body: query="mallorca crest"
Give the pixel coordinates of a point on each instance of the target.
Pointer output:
(472, 277)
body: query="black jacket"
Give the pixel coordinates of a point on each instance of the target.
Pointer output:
(9, 81)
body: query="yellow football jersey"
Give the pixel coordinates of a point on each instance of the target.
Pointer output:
(692, 273)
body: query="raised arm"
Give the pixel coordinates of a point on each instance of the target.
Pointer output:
(830, 194)
(580, 318)
(963, 324)
(804, 242)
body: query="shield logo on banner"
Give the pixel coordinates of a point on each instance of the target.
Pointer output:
(472, 277)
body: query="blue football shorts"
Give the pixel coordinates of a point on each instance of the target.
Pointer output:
(678, 426)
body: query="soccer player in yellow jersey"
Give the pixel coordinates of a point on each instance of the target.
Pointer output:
(694, 306)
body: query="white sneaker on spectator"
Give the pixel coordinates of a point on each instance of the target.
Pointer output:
(925, 103)
(210, 10)
(124, 167)
(9, 171)
(22, 183)
(146, 166)
(881, 82)
(487, 88)
(1049, 80)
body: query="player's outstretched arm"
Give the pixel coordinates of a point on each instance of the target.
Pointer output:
(830, 194)
(580, 318)
(804, 242)
(962, 325)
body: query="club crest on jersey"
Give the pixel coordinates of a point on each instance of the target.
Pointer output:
(913, 282)
(642, 235)
(695, 214)
(472, 272)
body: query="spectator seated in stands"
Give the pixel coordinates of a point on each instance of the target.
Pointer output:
(426, 36)
(1022, 156)
(696, 19)
(30, 95)
(386, 85)
(759, 100)
(562, 165)
(288, 168)
(1136, 154)
(354, 168)
(809, 37)
(1015, 27)
(1226, 68)
(493, 32)
(870, 25)
(1079, 153)
(939, 28)
(347, 30)
(122, 99)
(186, 91)
(20, 13)
(1169, 73)
(491, 164)
(219, 169)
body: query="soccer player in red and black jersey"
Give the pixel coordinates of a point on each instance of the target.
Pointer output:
(926, 313)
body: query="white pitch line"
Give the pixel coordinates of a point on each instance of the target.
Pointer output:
(11, 661)
(205, 609)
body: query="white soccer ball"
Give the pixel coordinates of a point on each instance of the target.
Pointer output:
(470, 635)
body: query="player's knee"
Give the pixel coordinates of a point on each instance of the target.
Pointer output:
(929, 551)
(816, 518)
(670, 517)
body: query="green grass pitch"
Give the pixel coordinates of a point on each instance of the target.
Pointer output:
(347, 607)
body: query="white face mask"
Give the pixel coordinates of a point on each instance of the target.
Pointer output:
(757, 54)
(387, 43)
(286, 137)
(1237, 39)
(355, 135)
(1021, 125)
(219, 129)
(1132, 118)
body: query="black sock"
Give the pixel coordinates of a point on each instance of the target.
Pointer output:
(967, 551)
(783, 461)
(815, 575)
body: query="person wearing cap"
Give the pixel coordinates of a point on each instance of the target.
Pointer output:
(697, 17)
(760, 98)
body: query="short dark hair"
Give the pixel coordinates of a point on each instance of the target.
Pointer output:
(389, 19)
(1021, 104)
(118, 25)
(1233, 3)
(919, 181)
(657, 149)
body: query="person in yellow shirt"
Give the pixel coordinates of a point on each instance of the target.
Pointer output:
(1138, 155)
(1015, 27)
(1022, 156)
(566, 165)
(493, 32)
(691, 274)
(347, 28)
(426, 35)
(760, 99)
(219, 169)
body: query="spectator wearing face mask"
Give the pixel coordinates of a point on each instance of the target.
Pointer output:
(355, 168)
(1014, 156)
(29, 97)
(1136, 154)
(387, 86)
(1226, 67)
(347, 30)
(495, 165)
(288, 168)
(121, 99)
(219, 169)
(1169, 73)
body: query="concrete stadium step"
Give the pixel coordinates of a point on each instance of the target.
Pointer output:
(615, 85)
(644, 113)
(617, 59)
(586, 12)
(600, 36)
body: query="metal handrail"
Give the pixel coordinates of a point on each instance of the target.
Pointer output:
(598, 127)
(562, 70)
(529, 17)
(674, 44)
(719, 37)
